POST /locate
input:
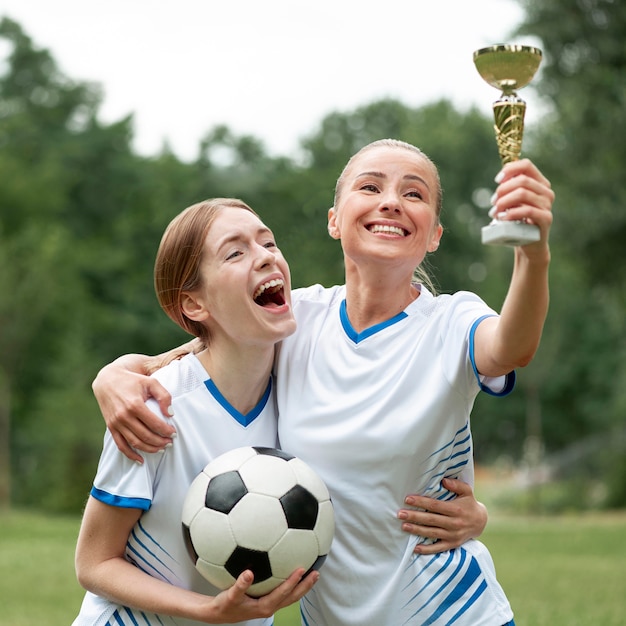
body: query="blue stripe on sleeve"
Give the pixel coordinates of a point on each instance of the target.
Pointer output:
(510, 377)
(120, 501)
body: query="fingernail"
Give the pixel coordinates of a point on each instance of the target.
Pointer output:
(499, 176)
(168, 445)
(170, 411)
(493, 198)
(409, 500)
(492, 211)
(402, 515)
(174, 435)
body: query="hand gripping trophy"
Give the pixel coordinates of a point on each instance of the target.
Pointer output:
(508, 67)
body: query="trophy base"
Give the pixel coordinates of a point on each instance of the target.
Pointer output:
(500, 233)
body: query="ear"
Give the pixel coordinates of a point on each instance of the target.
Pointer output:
(333, 230)
(194, 308)
(436, 239)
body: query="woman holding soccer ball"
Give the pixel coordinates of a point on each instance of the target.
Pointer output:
(376, 387)
(220, 276)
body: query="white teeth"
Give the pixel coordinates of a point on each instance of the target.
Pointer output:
(268, 285)
(380, 228)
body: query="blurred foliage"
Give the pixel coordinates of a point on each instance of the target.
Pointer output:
(81, 216)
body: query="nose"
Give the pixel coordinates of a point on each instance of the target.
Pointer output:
(265, 257)
(390, 202)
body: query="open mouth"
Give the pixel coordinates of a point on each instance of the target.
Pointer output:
(270, 294)
(387, 230)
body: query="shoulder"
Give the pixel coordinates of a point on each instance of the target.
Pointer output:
(182, 375)
(316, 300)
(450, 304)
(318, 294)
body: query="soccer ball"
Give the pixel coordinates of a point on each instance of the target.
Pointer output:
(259, 509)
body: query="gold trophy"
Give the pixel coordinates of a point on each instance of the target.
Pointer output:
(508, 67)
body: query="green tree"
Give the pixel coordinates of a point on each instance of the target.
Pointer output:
(35, 102)
(581, 145)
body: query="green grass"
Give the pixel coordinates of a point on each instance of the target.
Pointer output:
(37, 582)
(562, 570)
(568, 571)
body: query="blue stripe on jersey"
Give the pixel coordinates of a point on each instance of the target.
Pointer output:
(510, 377)
(131, 619)
(464, 428)
(432, 609)
(151, 538)
(248, 418)
(308, 610)
(472, 575)
(368, 332)
(438, 572)
(470, 601)
(154, 571)
(448, 471)
(120, 501)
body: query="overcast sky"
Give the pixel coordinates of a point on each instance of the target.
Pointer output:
(270, 68)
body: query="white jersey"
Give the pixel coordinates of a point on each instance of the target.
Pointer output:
(381, 414)
(207, 426)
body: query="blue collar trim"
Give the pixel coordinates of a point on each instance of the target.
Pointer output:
(248, 418)
(368, 332)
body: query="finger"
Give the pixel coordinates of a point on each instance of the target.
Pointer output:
(141, 438)
(126, 449)
(425, 506)
(460, 487)
(296, 587)
(306, 584)
(522, 190)
(241, 586)
(434, 548)
(155, 390)
(431, 525)
(522, 166)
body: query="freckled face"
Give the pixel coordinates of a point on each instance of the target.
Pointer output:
(387, 210)
(246, 286)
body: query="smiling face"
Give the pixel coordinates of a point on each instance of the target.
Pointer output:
(386, 209)
(244, 291)
(218, 272)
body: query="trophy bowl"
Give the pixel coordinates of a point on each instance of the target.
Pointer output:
(507, 66)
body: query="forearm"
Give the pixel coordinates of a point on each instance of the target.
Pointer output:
(119, 581)
(136, 363)
(144, 364)
(523, 313)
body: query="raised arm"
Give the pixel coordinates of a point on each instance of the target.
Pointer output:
(121, 389)
(511, 340)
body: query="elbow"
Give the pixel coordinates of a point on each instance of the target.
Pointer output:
(525, 358)
(82, 576)
(85, 575)
(524, 361)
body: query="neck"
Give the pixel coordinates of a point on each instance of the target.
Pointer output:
(375, 297)
(240, 373)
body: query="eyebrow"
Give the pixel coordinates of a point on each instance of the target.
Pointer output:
(236, 236)
(383, 175)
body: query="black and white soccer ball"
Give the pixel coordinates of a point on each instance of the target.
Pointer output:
(259, 509)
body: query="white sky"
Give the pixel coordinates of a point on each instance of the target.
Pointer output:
(269, 68)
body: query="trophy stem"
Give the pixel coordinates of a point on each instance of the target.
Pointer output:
(508, 113)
